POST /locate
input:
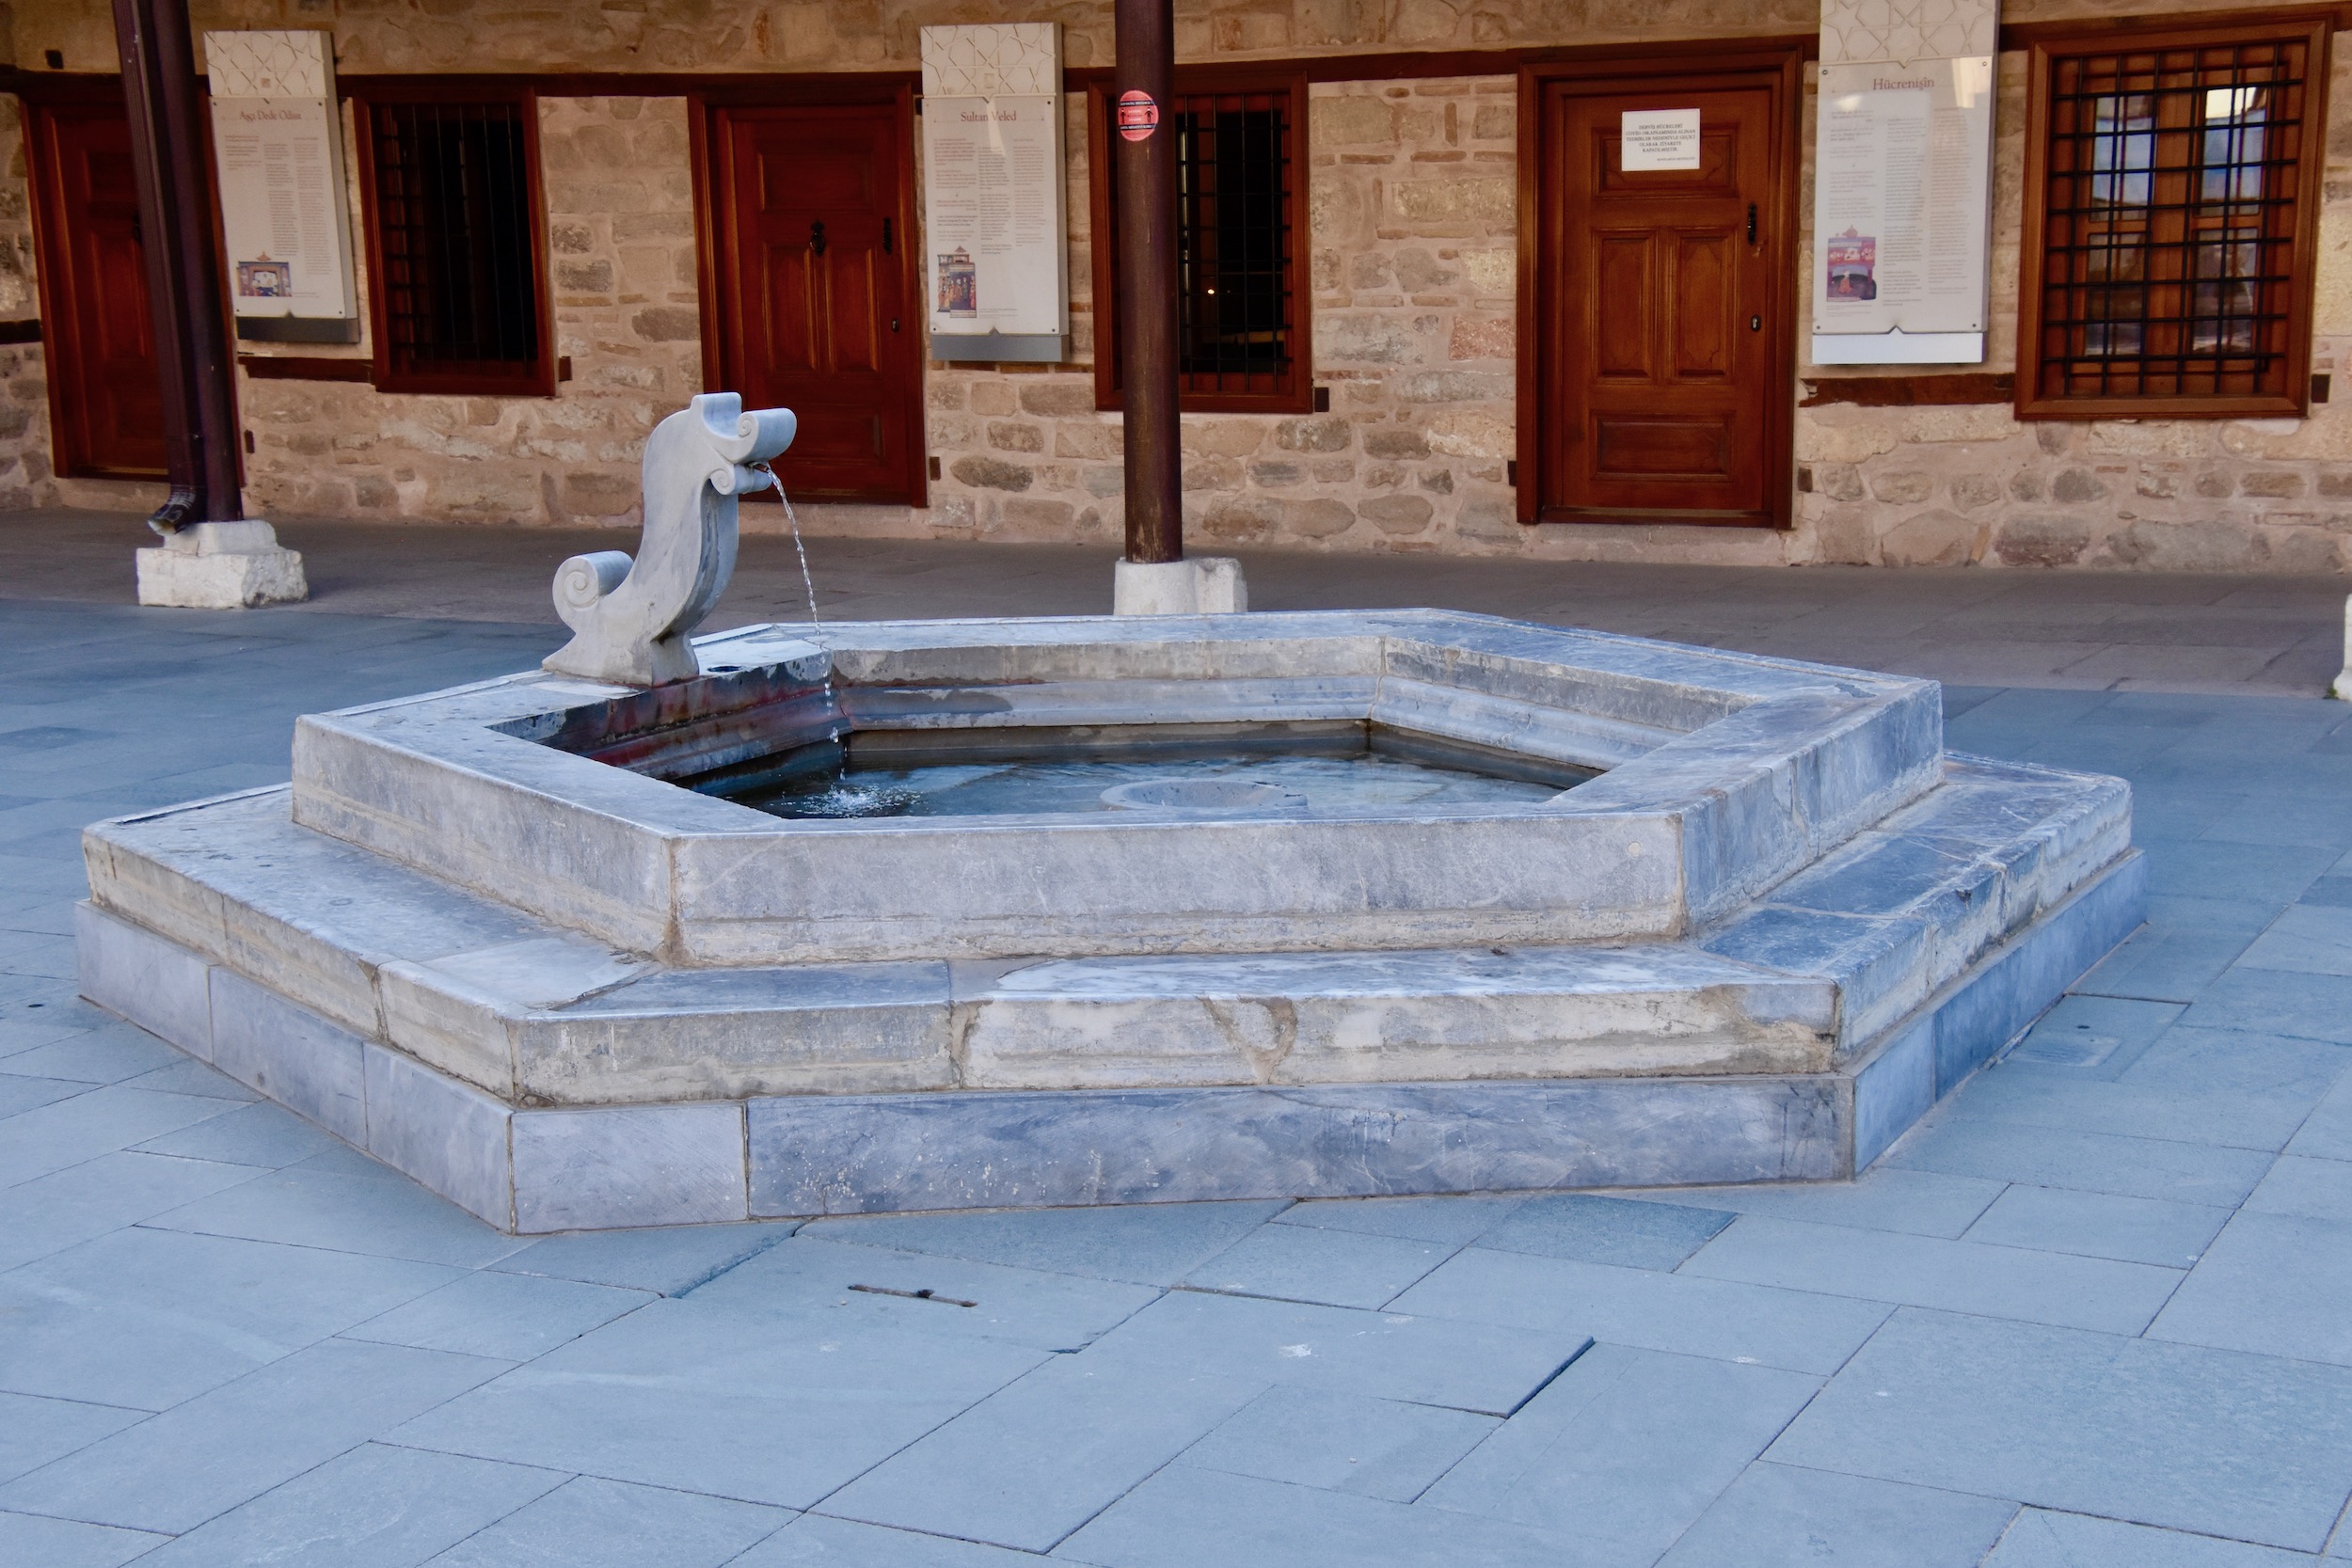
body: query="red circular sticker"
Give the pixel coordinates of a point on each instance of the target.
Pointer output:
(1138, 116)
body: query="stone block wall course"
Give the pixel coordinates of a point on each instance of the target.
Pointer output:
(1411, 203)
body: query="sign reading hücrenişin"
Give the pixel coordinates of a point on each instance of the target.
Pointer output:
(994, 245)
(1901, 178)
(277, 139)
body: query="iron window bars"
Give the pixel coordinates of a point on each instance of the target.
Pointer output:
(2173, 259)
(459, 300)
(1238, 320)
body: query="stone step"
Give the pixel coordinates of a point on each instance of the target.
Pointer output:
(540, 1015)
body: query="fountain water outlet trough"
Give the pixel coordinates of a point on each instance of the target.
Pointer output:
(851, 918)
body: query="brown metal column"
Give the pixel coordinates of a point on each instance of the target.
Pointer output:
(1147, 282)
(183, 291)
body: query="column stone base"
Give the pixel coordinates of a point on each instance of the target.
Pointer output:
(222, 566)
(1200, 585)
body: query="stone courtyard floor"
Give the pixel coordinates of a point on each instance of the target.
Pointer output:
(2096, 1311)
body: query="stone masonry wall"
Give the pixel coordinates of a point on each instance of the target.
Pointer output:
(24, 382)
(621, 243)
(1411, 218)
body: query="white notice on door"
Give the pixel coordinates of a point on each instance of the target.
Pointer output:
(1659, 138)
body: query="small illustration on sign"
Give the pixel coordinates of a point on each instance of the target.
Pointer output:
(1853, 267)
(1658, 140)
(1138, 116)
(265, 278)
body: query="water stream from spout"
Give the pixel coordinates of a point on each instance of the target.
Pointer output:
(816, 625)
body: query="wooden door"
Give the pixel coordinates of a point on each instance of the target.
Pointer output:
(1665, 311)
(105, 397)
(817, 310)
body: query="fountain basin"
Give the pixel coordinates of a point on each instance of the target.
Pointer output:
(1710, 777)
(1722, 918)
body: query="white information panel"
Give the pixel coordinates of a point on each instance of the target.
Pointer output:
(1901, 182)
(277, 141)
(1657, 139)
(994, 242)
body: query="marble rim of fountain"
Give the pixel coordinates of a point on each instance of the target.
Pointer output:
(1722, 774)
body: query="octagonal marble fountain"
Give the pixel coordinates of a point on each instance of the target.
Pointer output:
(995, 912)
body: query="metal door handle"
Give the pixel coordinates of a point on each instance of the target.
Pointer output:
(887, 248)
(1751, 223)
(816, 236)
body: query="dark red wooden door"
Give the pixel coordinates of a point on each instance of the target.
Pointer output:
(1664, 313)
(816, 313)
(106, 398)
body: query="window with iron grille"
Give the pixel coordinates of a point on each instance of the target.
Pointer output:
(457, 245)
(1240, 260)
(2172, 206)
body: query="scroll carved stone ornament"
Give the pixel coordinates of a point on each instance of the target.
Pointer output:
(631, 620)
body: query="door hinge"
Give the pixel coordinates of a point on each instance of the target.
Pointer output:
(1751, 223)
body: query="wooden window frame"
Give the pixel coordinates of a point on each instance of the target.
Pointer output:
(2049, 44)
(533, 378)
(1298, 396)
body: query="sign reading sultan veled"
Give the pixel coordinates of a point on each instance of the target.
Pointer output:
(993, 190)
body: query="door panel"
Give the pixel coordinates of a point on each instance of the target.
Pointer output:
(1663, 353)
(813, 315)
(107, 400)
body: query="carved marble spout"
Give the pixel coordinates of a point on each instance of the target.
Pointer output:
(631, 620)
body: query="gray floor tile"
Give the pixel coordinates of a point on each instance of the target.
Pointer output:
(262, 1135)
(174, 1471)
(24, 1092)
(149, 1318)
(2094, 1034)
(2135, 1109)
(89, 1125)
(2043, 1539)
(738, 1404)
(38, 1543)
(100, 1056)
(2101, 1225)
(374, 1506)
(2305, 940)
(1156, 1243)
(1044, 1455)
(1461, 1364)
(2275, 1002)
(1626, 1447)
(389, 1217)
(2201, 869)
(49, 1213)
(1185, 1517)
(1457, 1219)
(1342, 1443)
(2273, 1283)
(1886, 1198)
(1586, 1228)
(2211, 1441)
(669, 1261)
(1687, 1314)
(1776, 1516)
(2091, 1162)
(2166, 964)
(189, 1076)
(2312, 1189)
(610, 1524)
(506, 1316)
(1928, 1270)
(2326, 1132)
(1338, 1268)
(1048, 1311)
(35, 1431)
(813, 1540)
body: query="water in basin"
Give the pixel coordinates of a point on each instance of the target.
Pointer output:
(1232, 785)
